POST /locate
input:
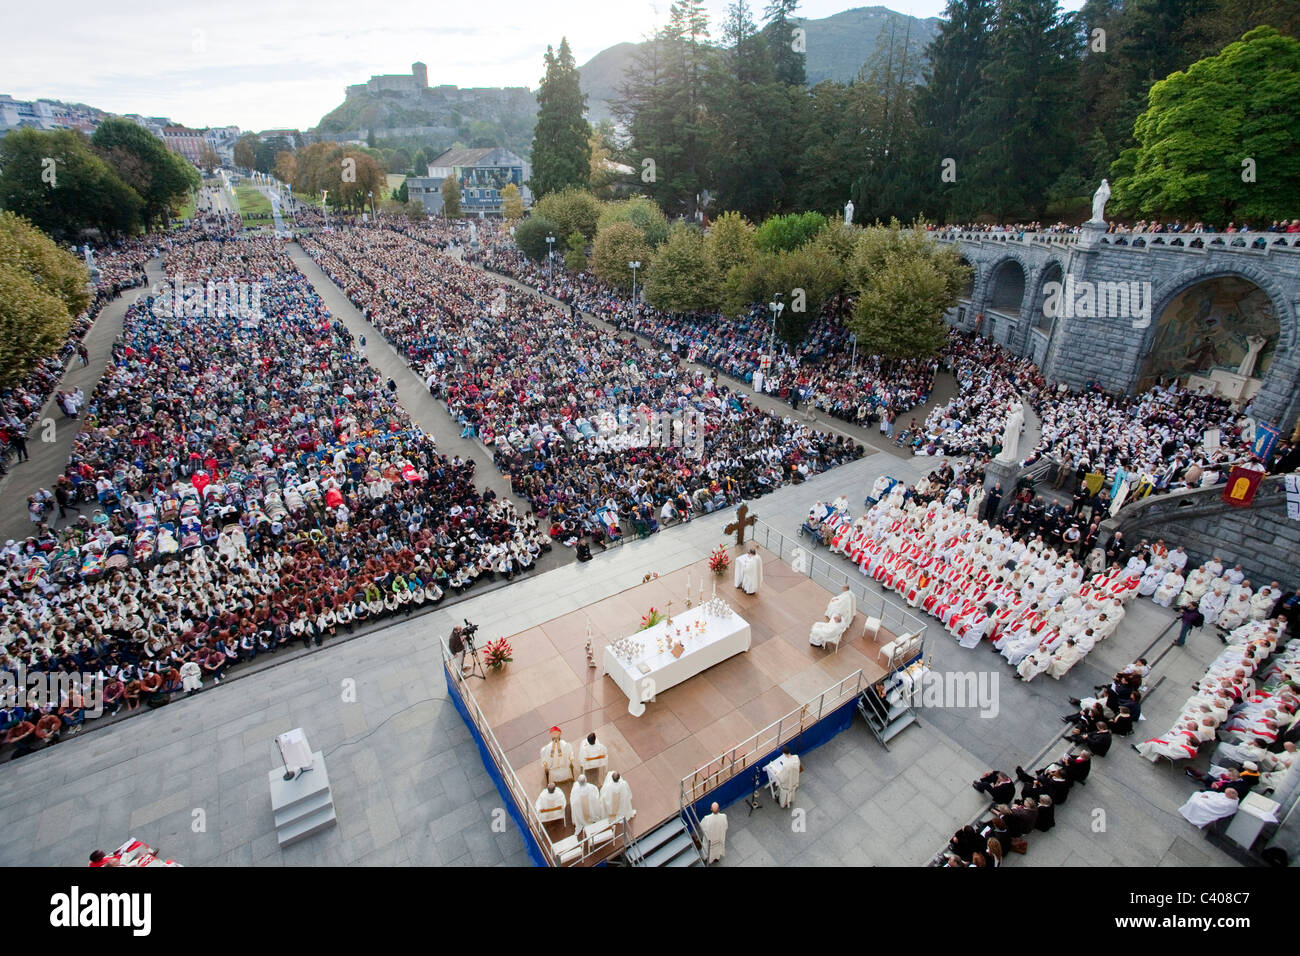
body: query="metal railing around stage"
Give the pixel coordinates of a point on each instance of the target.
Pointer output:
(623, 832)
(746, 754)
(742, 757)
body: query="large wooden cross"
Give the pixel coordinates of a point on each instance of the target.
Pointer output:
(743, 520)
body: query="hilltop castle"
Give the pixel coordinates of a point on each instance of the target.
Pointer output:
(417, 82)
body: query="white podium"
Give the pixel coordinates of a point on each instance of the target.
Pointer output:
(303, 804)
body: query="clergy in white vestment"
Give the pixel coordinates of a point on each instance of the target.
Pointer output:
(749, 572)
(1204, 808)
(823, 631)
(1212, 604)
(616, 798)
(191, 677)
(584, 803)
(592, 756)
(714, 828)
(550, 804)
(844, 604)
(1261, 605)
(784, 770)
(1169, 589)
(557, 759)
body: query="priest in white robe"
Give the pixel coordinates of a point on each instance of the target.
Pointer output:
(1202, 809)
(616, 798)
(749, 572)
(844, 604)
(823, 631)
(557, 759)
(592, 757)
(1212, 604)
(1170, 587)
(784, 771)
(714, 828)
(551, 804)
(584, 803)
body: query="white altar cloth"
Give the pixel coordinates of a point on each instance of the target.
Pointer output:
(722, 638)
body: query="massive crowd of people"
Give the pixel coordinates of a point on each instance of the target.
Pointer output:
(243, 480)
(554, 404)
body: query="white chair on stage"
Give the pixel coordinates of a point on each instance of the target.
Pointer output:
(594, 834)
(834, 640)
(551, 816)
(899, 649)
(871, 627)
(567, 850)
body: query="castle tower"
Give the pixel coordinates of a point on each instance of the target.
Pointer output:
(421, 74)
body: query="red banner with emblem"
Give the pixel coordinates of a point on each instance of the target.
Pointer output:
(1242, 485)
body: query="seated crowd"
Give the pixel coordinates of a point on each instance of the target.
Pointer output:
(1012, 819)
(559, 407)
(250, 482)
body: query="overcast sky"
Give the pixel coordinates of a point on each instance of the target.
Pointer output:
(267, 63)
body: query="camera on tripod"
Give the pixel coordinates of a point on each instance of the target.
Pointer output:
(467, 633)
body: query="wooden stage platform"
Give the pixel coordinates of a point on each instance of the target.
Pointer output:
(549, 683)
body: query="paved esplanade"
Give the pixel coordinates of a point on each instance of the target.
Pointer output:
(409, 787)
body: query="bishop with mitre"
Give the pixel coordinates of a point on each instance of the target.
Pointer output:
(557, 759)
(616, 798)
(823, 631)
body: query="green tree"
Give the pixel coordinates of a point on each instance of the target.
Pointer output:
(664, 104)
(399, 161)
(420, 163)
(60, 184)
(616, 245)
(246, 151)
(1025, 113)
(530, 237)
(640, 211)
(512, 203)
(451, 198)
(680, 278)
(41, 288)
(788, 64)
(561, 154)
(906, 282)
(729, 243)
(572, 210)
(788, 232)
(1218, 142)
(160, 177)
(575, 256)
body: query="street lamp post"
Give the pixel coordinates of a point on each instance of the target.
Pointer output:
(550, 258)
(325, 194)
(777, 307)
(371, 195)
(634, 266)
(853, 362)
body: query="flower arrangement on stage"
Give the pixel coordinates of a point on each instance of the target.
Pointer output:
(496, 654)
(651, 619)
(719, 560)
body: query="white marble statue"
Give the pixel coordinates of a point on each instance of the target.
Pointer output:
(1099, 199)
(1011, 433)
(848, 213)
(1247, 367)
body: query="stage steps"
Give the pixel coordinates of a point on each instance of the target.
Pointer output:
(886, 720)
(667, 845)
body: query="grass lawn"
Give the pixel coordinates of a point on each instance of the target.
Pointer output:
(187, 209)
(395, 181)
(252, 203)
